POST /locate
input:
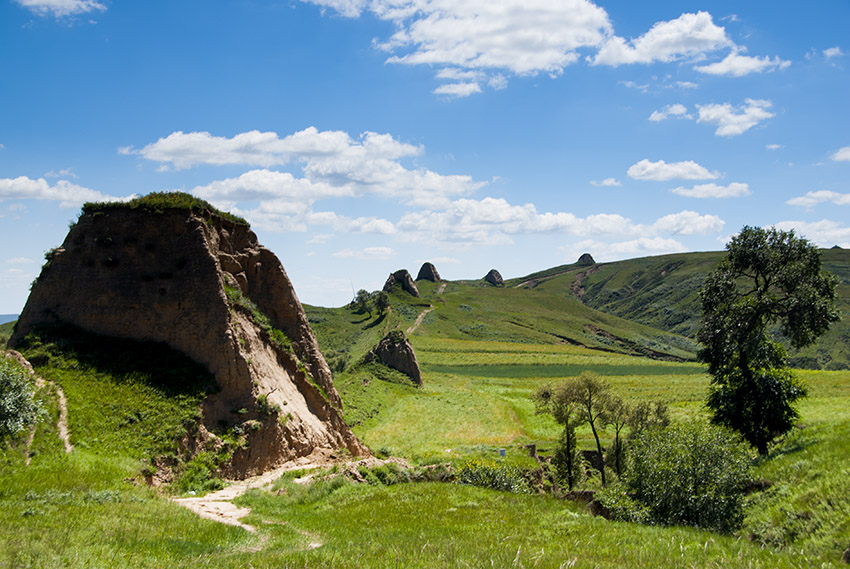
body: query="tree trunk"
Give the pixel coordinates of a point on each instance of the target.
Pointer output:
(599, 450)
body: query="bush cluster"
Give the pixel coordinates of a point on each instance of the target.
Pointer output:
(502, 477)
(18, 406)
(692, 474)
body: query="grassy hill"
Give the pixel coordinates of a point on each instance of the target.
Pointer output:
(483, 351)
(661, 292)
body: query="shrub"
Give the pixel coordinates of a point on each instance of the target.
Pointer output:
(693, 474)
(502, 477)
(18, 407)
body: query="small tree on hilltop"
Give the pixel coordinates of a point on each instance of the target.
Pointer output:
(768, 277)
(363, 302)
(382, 302)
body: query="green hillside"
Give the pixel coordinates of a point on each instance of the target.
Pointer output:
(483, 352)
(662, 292)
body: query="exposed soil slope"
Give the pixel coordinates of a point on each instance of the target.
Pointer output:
(202, 284)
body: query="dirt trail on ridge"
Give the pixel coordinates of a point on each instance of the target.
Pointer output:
(425, 312)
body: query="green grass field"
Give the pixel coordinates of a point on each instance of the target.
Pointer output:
(480, 366)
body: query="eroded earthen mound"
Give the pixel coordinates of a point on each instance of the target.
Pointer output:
(395, 351)
(428, 272)
(585, 260)
(199, 281)
(404, 280)
(494, 278)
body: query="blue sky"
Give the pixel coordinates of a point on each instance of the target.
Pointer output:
(363, 136)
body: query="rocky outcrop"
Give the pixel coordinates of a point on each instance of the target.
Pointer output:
(395, 351)
(404, 280)
(494, 278)
(428, 272)
(586, 260)
(202, 284)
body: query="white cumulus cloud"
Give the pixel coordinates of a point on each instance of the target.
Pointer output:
(833, 52)
(825, 233)
(62, 8)
(841, 155)
(737, 65)
(732, 121)
(63, 191)
(661, 171)
(333, 165)
(458, 89)
(689, 35)
(676, 110)
(733, 190)
(812, 199)
(521, 37)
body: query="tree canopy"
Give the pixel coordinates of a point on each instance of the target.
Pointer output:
(770, 281)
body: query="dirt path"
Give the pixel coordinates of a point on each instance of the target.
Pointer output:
(425, 312)
(218, 506)
(41, 383)
(419, 320)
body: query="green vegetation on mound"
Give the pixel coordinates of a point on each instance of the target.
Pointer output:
(661, 292)
(159, 202)
(125, 398)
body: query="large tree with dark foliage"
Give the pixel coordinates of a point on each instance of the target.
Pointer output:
(770, 282)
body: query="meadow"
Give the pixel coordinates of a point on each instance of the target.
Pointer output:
(91, 508)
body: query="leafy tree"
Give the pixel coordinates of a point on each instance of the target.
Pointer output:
(363, 302)
(769, 277)
(692, 474)
(382, 302)
(618, 412)
(648, 415)
(584, 397)
(18, 407)
(566, 460)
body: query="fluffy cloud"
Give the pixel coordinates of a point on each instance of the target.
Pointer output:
(333, 165)
(523, 37)
(185, 150)
(661, 171)
(833, 52)
(494, 221)
(607, 182)
(841, 155)
(733, 190)
(472, 43)
(773, 146)
(825, 233)
(688, 35)
(688, 223)
(732, 121)
(66, 193)
(812, 199)
(676, 110)
(737, 65)
(458, 89)
(62, 8)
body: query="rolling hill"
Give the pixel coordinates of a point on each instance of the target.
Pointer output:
(662, 292)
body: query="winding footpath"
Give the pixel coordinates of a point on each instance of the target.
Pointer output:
(40, 383)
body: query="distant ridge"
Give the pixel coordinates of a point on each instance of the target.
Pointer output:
(8, 318)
